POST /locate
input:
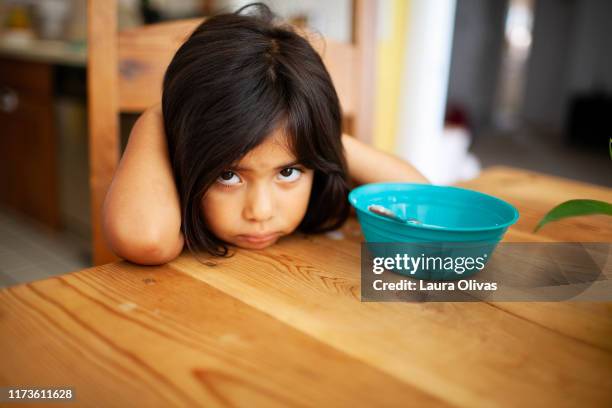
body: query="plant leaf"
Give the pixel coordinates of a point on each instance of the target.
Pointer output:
(573, 208)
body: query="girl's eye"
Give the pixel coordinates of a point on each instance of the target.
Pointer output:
(290, 174)
(229, 178)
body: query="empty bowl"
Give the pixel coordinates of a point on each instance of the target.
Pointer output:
(452, 222)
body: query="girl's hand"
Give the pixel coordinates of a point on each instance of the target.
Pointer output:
(369, 165)
(141, 216)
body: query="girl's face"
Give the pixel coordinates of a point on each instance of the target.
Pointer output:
(262, 198)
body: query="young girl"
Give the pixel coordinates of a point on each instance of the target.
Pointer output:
(245, 148)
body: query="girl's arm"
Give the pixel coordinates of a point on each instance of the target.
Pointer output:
(369, 165)
(141, 215)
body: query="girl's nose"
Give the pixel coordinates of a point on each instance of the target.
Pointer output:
(258, 206)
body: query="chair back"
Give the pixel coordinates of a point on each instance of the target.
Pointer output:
(125, 74)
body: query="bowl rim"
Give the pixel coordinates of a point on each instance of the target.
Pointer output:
(398, 186)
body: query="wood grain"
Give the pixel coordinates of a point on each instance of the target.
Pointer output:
(103, 114)
(432, 346)
(534, 194)
(285, 327)
(144, 54)
(122, 335)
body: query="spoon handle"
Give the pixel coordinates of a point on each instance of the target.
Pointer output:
(385, 212)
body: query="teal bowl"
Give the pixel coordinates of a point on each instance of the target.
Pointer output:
(454, 222)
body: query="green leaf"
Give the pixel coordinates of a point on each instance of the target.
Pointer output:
(573, 208)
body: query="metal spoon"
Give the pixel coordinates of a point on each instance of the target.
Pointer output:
(386, 212)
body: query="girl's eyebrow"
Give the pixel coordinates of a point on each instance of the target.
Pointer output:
(247, 169)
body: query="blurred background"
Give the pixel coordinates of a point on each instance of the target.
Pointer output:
(455, 86)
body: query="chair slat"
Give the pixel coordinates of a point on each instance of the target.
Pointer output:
(145, 52)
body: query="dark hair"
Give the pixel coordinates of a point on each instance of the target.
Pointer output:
(236, 79)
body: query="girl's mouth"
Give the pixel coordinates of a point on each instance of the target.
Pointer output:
(259, 238)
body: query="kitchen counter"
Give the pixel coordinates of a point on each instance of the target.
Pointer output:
(52, 52)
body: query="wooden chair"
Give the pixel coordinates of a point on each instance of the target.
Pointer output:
(125, 72)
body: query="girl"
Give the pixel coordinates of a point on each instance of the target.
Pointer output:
(246, 147)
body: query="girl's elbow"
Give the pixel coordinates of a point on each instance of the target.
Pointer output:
(145, 252)
(141, 248)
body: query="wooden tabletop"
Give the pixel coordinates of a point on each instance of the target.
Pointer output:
(285, 327)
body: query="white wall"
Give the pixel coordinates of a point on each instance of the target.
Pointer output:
(424, 86)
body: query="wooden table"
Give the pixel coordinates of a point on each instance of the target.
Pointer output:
(285, 327)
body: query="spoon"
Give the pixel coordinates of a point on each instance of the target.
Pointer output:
(386, 212)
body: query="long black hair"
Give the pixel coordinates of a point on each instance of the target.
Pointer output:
(236, 79)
